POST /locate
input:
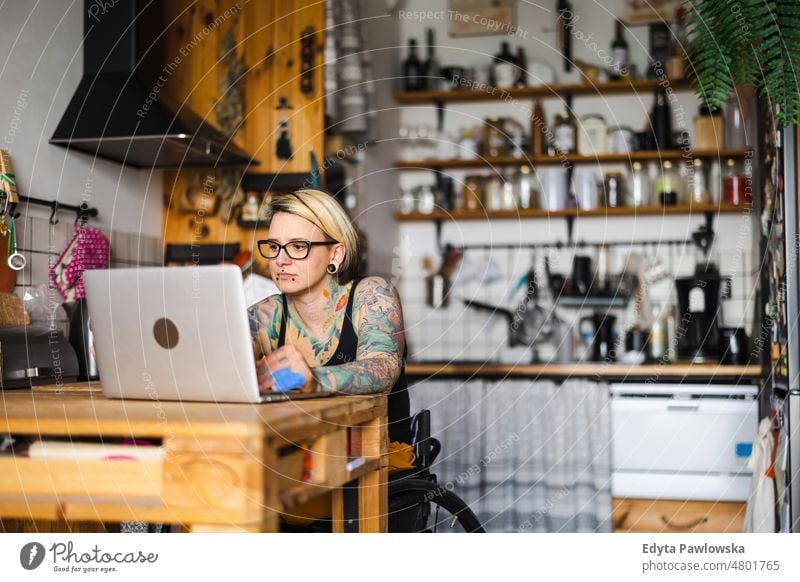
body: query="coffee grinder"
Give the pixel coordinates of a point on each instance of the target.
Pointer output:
(698, 304)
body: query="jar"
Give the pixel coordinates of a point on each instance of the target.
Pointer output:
(698, 190)
(592, 135)
(708, 130)
(621, 140)
(734, 184)
(586, 182)
(467, 145)
(553, 193)
(493, 193)
(613, 194)
(426, 199)
(407, 201)
(508, 201)
(640, 186)
(565, 130)
(526, 189)
(472, 192)
(667, 188)
(495, 141)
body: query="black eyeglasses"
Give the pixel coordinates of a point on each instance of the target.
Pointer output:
(296, 249)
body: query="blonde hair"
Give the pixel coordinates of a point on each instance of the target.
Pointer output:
(322, 210)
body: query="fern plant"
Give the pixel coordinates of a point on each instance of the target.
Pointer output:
(740, 42)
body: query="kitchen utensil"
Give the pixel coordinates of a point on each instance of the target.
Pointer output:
(734, 346)
(582, 275)
(16, 260)
(597, 333)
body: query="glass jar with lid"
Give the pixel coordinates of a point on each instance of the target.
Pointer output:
(493, 193)
(495, 139)
(640, 186)
(472, 192)
(565, 132)
(592, 135)
(667, 185)
(698, 183)
(426, 199)
(467, 144)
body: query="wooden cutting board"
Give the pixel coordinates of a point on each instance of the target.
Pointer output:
(8, 276)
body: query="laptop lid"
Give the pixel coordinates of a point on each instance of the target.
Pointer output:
(176, 333)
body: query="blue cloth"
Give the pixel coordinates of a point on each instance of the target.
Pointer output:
(284, 380)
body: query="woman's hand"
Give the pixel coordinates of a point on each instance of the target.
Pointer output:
(264, 378)
(288, 356)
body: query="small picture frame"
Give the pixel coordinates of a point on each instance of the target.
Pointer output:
(480, 18)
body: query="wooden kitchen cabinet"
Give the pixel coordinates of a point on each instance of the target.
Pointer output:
(676, 516)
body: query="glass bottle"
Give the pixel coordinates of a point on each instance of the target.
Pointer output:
(522, 68)
(734, 184)
(698, 190)
(413, 74)
(493, 193)
(472, 192)
(658, 335)
(508, 199)
(661, 120)
(495, 140)
(667, 188)
(619, 53)
(671, 327)
(504, 67)
(467, 145)
(565, 131)
(538, 130)
(526, 190)
(640, 186)
(407, 201)
(426, 199)
(432, 68)
(614, 194)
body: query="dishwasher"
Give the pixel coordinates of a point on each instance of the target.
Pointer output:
(682, 441)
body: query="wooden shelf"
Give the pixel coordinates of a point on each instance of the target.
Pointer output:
(581, 370)
(641, 156)
(555, 91)
(597, 212)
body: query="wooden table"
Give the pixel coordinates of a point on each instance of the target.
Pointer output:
(226, 467)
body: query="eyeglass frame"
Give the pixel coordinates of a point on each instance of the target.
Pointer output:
(309, 244)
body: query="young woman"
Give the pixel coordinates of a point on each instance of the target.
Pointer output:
(343, 333)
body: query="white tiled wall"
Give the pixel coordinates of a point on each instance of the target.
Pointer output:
(457, 332)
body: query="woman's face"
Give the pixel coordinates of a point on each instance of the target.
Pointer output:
(299, 275)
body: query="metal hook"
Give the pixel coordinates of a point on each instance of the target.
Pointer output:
(53, 219)
(82, 214)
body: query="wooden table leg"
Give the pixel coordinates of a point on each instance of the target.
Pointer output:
(373, 503)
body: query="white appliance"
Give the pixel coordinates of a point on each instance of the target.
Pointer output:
(682, 441)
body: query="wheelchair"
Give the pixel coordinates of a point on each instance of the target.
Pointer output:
(417, 502)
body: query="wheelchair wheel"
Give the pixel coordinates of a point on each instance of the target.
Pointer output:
(421, 506)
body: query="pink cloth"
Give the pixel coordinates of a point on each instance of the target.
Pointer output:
(87, 249)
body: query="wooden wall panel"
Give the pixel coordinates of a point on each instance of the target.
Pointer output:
(268, 35)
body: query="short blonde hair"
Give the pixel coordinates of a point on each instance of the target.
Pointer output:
(325, 212)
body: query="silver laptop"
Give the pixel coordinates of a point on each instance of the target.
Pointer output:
(175, 333)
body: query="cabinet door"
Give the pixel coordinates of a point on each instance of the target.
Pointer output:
(675, 516)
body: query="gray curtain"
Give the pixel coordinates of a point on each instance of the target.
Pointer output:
(527, 456)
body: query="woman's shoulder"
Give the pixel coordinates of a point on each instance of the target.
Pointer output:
(266, 313)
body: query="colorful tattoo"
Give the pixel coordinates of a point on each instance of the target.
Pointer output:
(378, 320)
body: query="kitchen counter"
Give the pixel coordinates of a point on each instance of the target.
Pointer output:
(418, 371)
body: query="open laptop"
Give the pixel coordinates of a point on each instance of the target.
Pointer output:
(175, 333)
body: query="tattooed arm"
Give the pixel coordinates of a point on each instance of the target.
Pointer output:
(265, 321)
(378, 319)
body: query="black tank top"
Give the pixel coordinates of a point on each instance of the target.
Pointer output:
(398, 401)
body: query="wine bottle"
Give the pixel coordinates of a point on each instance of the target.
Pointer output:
(433, 70)
(504, 67)
(619, 53)
(413, 70)
(661, 120)
(522, 68)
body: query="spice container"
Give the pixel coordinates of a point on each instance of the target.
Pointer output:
(640, 186)
(614, 195)
(592, 135)
(734, 184)
(708, 130)
(565, 131)
(698, 189)
(667, 188)
(472, 192)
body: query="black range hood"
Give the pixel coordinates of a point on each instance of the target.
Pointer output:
(119, 111)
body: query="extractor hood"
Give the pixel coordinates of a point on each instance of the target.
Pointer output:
(119, 111)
